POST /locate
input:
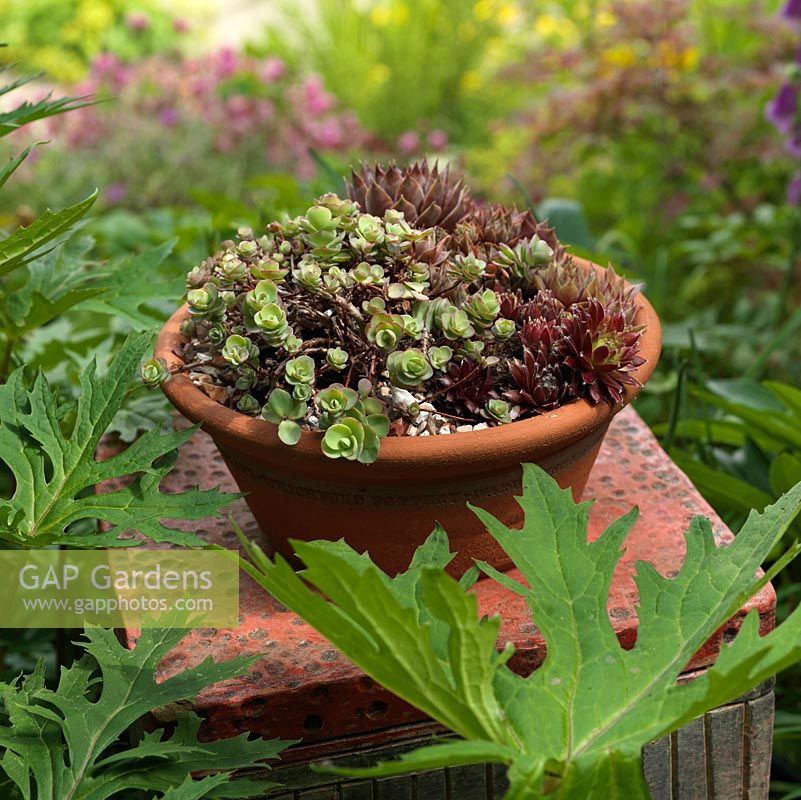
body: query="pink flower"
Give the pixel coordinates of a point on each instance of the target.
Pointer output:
(105, 63)
(437, 139)
(168, 117)
(328, 134)
(115, 193)
(273, 69)
(408, 142)
(138, 21)
(226, 62)
(181, 25)
(316, 99)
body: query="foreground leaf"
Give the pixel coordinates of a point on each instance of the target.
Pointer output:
(27, 112)
(65, 744)
(576, 726)
(55, 283)
(56, 474)
(137, 286)
(25, 244)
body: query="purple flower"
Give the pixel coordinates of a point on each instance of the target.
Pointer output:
(168, 117)
(115, 193)
(792, 10)
(408, 142)
(273, 69)
(794, 190)
(782, 110)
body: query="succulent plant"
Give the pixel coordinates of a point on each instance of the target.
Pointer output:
(425, 196)
(154, 372)
(599, 346)
(469, 386)
(408, 301)
(408, 368)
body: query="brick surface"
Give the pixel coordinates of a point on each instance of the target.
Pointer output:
(301, 687)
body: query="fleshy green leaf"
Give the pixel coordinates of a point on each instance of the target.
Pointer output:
(289, 432)
(573, 729)
(65, 743)
(26, 243)
(56, 473)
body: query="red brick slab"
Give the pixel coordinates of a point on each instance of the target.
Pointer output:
(303, 688)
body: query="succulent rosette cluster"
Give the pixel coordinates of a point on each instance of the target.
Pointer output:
(406, 301)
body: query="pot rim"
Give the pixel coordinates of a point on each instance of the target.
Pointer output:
(517, 440)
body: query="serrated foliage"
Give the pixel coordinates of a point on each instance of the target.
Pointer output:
(28, 112)
(65, 743)
(138, 289)
(54, 283)
(26, 244)
(575, 727)
(56, 471)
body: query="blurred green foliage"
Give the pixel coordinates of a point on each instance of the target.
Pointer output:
(409, 66)
(61, 37)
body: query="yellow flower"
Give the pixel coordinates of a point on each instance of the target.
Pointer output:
(482, 10)
(380, 16)
(401, 13)
(378, 74)
(690, 58)
(621, 56)
(94, 15)
(61, 64)
(606, 19)
(547, 26)
(508, 14)
(471, 80)
(668, 57)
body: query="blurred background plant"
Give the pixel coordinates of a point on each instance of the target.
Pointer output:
(62, 37)
(419, 73)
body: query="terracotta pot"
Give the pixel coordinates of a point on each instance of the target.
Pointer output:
(388, 508)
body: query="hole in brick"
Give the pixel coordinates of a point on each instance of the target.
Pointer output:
(312, 723)
(376, 709)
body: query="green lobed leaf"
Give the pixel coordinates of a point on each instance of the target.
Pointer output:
(573, 729)
(66, 743)
(27, 112)
(14, 162)
(24, 244)
(137, 288)
(55, 283)
(56, 474)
